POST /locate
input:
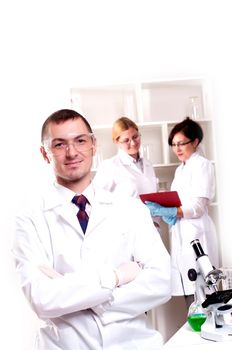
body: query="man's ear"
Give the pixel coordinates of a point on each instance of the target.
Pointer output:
(44, 154)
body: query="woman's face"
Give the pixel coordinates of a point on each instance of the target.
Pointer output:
(130, 142)
(183, 147)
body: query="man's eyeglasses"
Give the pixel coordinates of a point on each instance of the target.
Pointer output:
(181, 144)
(81, 143)
(127, 141)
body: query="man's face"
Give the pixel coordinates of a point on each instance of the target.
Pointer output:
(69, 148)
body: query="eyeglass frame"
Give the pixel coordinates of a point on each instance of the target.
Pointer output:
(181, 144)
(127, 141)
(66, 147)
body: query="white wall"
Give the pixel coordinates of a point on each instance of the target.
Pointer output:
(48, 46)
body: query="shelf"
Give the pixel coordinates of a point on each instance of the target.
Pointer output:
(162, 165)
(158, 100)
(144, 125)
(105, 103)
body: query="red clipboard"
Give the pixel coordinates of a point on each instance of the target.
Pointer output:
(166, 199)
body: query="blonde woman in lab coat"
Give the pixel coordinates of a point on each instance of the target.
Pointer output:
(194, 181)
(127, 172)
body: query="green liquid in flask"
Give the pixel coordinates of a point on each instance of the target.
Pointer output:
(196, 321)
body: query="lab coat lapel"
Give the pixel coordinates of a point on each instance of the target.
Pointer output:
(100, 210)
(55, 203)
(127, 161)
(101, 206)
(65, 212)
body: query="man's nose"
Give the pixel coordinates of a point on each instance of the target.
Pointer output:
(71, 149)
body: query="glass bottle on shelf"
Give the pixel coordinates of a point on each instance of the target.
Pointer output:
(196, 315)
(145, 152)
(193, 108)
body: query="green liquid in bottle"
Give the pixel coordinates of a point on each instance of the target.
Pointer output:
(196, 321)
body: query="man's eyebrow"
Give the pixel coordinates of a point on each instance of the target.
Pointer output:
(57, 139)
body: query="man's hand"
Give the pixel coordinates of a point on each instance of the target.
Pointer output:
(127, 272)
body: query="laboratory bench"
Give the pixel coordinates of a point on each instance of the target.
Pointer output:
(186, 339)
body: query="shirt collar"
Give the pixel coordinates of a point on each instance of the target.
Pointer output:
(68, 194)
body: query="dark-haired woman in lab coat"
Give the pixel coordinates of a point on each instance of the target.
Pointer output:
(194, 181)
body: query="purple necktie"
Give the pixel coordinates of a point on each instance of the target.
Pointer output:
(82, 216)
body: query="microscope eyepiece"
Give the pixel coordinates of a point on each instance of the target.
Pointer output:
(197, 248)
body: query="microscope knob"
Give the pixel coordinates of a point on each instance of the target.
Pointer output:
(192, 274)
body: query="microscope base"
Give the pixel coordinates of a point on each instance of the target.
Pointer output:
(209, 332)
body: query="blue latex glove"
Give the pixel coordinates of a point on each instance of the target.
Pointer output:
(158, 210)
(170, 220)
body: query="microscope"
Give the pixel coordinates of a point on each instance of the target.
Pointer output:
(213, 301)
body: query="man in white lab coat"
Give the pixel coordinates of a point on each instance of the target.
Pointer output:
(90, 289)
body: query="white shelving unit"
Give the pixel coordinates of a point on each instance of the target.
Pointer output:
(155, 106)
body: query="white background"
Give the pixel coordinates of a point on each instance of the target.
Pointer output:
(48, 46)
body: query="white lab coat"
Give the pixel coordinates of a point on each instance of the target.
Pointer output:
(120, 174)
(80, 310)
(194, 179)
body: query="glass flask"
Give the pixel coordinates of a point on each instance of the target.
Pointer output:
(196, 315)
(193, 108)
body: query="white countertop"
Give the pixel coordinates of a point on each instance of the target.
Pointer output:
(186, 339)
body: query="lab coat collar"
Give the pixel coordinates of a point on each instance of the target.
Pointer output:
(58, 195)
(125, 157)
(191, 158)
(128, 160)
(54, 196)
(59, 199)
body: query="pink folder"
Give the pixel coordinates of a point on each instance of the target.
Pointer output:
(166, 199)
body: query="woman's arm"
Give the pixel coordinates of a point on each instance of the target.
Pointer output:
(196, 210)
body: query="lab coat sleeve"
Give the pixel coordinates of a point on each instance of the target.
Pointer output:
(69, 293)
(203, 179)
(152, 286)
(197, 208)
(202, 189)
